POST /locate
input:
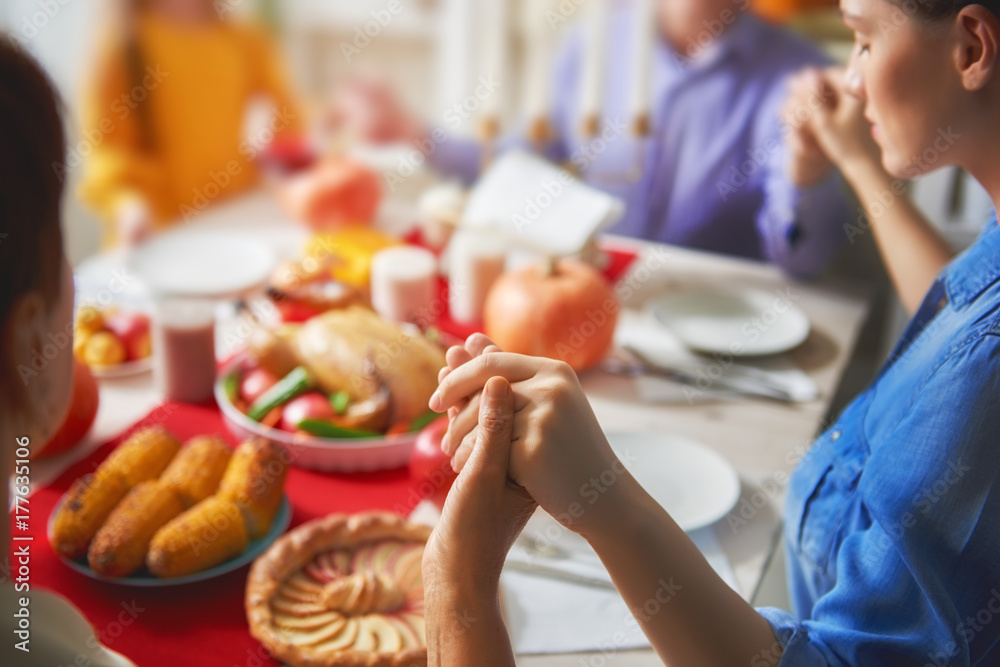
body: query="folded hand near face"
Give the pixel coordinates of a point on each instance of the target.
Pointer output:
(826, 106)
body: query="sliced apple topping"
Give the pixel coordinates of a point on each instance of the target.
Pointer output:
(281, 603)
(305, 622)
(416, 621)
(388, 638)
(344, 640)
(363, 593)
(407, 634)
(317, 636)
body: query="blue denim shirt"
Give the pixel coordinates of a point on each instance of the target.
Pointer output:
(892, 524)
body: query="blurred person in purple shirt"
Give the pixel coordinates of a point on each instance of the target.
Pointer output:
(727, 167)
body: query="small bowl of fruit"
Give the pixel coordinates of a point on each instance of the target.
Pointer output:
(344, 391)
(112, 341)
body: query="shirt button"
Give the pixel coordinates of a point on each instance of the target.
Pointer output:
(835, 435)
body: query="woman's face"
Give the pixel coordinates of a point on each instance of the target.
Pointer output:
(903, 68)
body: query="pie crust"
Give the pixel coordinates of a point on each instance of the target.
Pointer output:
(342, 591)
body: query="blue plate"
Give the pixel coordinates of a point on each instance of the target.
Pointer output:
(144, 578)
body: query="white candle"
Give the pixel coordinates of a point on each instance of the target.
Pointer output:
(403, 281)
(476, 260)
(644, 37)
(495, 66)
(440, 210)
(537, 93)
(595, 61)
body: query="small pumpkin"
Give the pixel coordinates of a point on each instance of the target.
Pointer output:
(562, 310)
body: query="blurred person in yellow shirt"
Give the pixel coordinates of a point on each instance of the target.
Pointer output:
(163, 118)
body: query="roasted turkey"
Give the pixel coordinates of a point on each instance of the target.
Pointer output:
(388, 371)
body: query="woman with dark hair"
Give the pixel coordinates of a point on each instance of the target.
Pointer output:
(892, 521)
(36, 303)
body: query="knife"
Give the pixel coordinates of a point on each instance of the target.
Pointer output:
(742, 385)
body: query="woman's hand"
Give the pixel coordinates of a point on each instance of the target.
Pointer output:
(836, 120)
(559, 453)
(483, 515)
(485, 511)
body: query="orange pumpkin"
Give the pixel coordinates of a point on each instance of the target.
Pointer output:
(563, 310)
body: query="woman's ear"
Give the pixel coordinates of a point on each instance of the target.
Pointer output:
(978, 54)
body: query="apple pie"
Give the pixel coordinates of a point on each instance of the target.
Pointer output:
(342, 591)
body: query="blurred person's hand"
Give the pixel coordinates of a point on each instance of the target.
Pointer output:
(134, 222)
(836, 121)
(807, 163)
(369, 110)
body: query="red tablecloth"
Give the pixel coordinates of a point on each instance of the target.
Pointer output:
(201, 623)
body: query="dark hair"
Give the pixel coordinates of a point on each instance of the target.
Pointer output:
(938, 10)
(32, 147)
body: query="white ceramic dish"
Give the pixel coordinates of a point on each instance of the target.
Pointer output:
(202, 264)
(328, 454)
(741, 322)
(126, 369)
(695, 484)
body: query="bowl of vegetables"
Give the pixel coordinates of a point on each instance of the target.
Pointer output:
(309, 423)
(344, 391)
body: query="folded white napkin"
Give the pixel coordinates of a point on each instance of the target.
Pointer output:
(551, 615)
(545, 614)
(640, 331)
(538, 206)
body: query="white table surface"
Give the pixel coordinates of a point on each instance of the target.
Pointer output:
(762, 440)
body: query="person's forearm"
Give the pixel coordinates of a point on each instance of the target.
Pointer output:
(464, 626)
(686, 610)
(913, 252)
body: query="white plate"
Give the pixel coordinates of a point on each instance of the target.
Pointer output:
(739, 321)
(124, 369)
(205, 264)
(695, 484)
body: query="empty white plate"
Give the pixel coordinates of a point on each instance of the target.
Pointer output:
(203, 264)
(695, 484)
(738, 321)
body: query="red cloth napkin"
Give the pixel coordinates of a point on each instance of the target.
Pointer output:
(201, 623)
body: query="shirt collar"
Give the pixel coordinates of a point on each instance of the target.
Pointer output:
(976, 269)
